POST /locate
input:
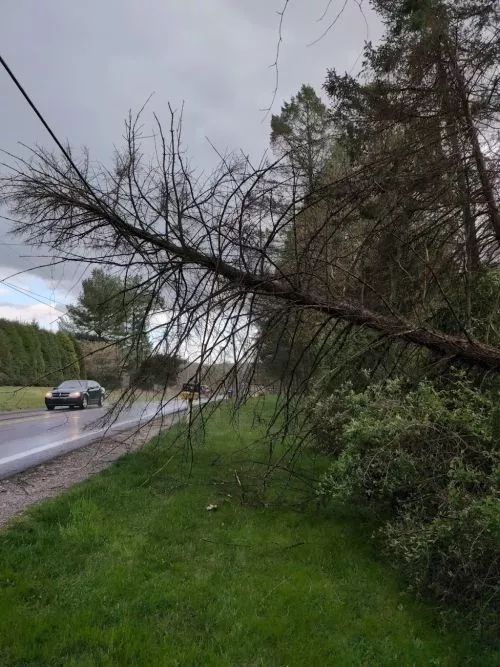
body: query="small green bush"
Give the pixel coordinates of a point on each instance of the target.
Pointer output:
(427, 459)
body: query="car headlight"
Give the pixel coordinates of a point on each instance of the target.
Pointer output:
(48, 394)
(75, 394)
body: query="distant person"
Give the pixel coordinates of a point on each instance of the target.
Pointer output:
(230, 392)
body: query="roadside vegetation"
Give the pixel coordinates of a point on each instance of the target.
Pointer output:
(131, 568)
(22, 398)
(93, 341)
(31, 356)
(424, 461)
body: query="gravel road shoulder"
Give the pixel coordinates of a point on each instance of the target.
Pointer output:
(52, 478)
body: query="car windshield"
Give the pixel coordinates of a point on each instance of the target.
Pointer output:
(73, 384)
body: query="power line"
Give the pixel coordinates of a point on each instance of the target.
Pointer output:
(52, 134)
(45, 301)
(23, 92)
(38, 114)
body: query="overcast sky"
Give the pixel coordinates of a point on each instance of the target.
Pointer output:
(87, 63)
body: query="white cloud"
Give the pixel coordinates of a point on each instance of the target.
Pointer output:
(46, 316)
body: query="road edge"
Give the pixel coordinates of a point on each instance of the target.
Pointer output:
(51, 478)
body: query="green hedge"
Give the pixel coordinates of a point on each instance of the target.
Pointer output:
(32, 356)
(426, 460)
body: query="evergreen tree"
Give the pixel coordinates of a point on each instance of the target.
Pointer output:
(412, 127)
(70, 367)
(100, 309)
(301, 132)
(6, 371)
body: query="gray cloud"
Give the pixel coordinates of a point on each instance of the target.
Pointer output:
(86, 63)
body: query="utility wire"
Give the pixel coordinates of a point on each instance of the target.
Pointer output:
(32, 295)
(52, 134)
(32, 105)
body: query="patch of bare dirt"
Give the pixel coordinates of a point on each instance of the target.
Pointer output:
(51, 478)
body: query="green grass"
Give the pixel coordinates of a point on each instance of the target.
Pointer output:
(22, 398)
(129, 568)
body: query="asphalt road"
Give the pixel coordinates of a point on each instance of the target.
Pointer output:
(29, 439)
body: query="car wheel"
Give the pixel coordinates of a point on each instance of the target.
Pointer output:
(100, 402)
(50, 407)
(84, 403)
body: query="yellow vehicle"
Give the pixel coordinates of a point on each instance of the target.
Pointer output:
(190, 392)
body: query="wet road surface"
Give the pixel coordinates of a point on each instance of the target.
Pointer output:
(31, 438)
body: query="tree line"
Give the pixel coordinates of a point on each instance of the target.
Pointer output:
(31, 356)
(104, 334)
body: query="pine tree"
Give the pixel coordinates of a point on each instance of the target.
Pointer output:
(413, 125)
(99, 311)
(301, 133)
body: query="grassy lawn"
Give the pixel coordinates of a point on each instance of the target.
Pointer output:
(22, 398)
(129, 568)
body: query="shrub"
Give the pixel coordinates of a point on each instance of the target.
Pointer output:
(428, 460)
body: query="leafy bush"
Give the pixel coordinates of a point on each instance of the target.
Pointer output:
(428, 460)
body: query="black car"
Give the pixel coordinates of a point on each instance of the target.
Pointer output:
(75, 394)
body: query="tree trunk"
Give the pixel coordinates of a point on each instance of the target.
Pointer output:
(451, 109)
(487, 188)
(474, 353)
